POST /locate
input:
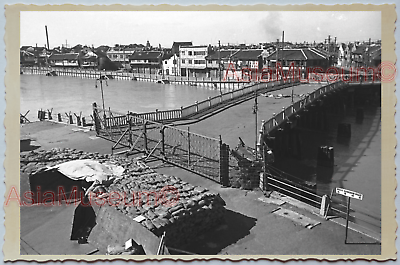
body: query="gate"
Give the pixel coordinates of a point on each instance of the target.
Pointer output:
(194, 152)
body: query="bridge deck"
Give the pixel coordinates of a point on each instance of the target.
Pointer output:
(236, 121)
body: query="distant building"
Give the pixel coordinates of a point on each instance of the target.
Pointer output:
(253, 58)
(30, 56)
(375, 57)
(170, 64)
(218, 61)
(88, 59)
(193, 60)
(64, 60)
(177, 45)
(306, 57)
(121, 54)
(366, 55)
(146, 61)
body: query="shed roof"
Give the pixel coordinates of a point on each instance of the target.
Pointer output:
(223, 54)
(248, 55)
(146, 55)
(298, 55)
(64, 56)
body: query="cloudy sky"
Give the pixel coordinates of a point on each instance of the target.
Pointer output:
(205, 27)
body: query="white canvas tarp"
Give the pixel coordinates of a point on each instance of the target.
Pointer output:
(89, 170)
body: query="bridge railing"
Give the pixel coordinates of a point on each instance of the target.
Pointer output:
(279, 118)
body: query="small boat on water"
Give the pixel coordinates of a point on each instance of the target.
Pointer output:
(163, 81)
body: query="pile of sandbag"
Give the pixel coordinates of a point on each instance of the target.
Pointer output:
(158, 202)
(34, 161)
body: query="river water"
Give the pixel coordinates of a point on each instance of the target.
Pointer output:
(357, 163)
(65, 94)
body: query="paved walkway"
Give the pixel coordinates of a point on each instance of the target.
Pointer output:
(239, 121)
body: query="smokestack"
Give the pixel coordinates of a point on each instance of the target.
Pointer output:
(283, 40)
(47, 37)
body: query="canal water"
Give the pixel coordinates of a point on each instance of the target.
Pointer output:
(357, 164)
(65, 94)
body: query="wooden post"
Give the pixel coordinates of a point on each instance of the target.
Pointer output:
(130, 131)
(163, 140)
(96, 119)
(223, 163)
(145, 135)
(188, 135)
(347, 218)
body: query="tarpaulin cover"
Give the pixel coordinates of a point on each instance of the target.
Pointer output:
(89, 170)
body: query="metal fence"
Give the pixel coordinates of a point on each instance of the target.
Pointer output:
(195, 152)
(198, 107)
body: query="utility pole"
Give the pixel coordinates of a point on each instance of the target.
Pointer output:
(219, 65)
(255, 110)
(276, 59)
(101, 79)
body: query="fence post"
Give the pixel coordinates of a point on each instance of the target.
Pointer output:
(223, 163)
(163, 140)
(96, 119)
(145, 135)
(197, 105)
(188, 136)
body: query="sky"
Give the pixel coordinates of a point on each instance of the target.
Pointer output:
(201, 27)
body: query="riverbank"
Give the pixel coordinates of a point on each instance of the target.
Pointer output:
(210, 82)
(251, 226)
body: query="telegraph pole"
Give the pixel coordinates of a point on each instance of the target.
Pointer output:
(219, 65)
(255, 110)
(276, 59)
(101, 79)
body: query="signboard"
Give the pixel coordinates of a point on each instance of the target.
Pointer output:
(349, 193)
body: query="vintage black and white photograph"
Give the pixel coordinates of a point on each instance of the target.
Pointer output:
(201, 133)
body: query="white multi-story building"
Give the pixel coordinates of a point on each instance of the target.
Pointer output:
(193, 60)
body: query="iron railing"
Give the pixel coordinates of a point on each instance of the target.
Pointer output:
(195, 152)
